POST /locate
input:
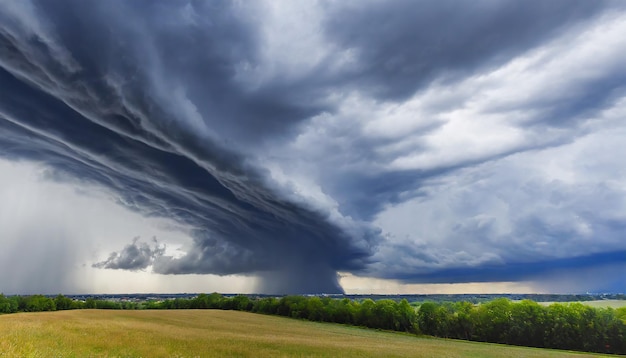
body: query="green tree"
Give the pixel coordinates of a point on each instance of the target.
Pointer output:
(427, 319)
(315, 309)
(386, 315)
(462, 325)
(493, 321)
(90, 303)
(407, 316)
(242, 303)
(621, 313)
(364, 316)
(200, 302)
(292, 306)
(344, 311)
(38, 303)
(527, 324)
(8, 304)
(562, 329)
(63, 303)
(267, 305)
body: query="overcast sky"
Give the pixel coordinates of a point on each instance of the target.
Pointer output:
(312, 146)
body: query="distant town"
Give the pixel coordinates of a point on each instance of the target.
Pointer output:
(473, 298)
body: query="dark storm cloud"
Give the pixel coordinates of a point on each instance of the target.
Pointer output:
(107, 116)
(405, 46)
(416, 43)
(516, 271)
(240, 224)
(133, 257)
(158, 102)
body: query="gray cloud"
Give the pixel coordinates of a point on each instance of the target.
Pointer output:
(163, 154)
(416, 42)
(509, 221)
(280, 146)
(135, 256)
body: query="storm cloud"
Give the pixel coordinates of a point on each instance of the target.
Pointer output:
(421, 141)
(135, 256)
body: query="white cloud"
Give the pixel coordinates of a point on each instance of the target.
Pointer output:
(539, 205)
(479, 117)
(292, 45)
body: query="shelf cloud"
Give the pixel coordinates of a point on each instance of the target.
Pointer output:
(425, 142)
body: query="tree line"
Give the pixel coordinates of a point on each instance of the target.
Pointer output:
(41, 303)
(572, 326)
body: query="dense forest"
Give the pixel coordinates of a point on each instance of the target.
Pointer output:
(572, 326)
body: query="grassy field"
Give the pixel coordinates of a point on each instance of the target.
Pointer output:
(597, 304)
(213, 333)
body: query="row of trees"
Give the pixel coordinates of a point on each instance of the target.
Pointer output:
(382, 314)
(36, 303)
(571, 326)
(40, 303)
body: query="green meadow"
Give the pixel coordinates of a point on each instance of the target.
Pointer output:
(595, 304)
(217, 333)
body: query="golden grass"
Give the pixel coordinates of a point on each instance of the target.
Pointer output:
(214, 333)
